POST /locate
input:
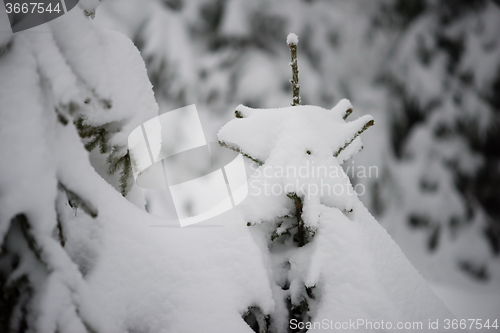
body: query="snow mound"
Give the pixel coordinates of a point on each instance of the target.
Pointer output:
(324, 132)
(156, 277)
(300, 149)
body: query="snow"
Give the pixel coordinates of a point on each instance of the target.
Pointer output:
(236, 21)
(471, 301)
(454, 220)
(140, 274)
(292, 39)
(367, 275)
(128, 271)
(281, 138)
(354, 267)
(257, 134)
(154, 276)
(50, 72)
(33, 142)
(345, 53)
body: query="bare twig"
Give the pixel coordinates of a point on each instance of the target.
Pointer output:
(292, 41)
(238, 150)
(347, 113)
(365, 127)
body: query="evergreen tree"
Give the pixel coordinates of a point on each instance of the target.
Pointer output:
(444, 75)
(67, 72)
(218, 54)
(303, 222)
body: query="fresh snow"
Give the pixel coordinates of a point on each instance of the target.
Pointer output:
(346, 51)
(128, 271)
(157, 277)
(292, 39)
(353, 265)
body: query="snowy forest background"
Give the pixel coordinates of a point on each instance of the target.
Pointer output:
(427, 71)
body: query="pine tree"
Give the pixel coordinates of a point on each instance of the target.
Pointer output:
(65, 73)
(298, 224)
(444, 78)
(219, 54)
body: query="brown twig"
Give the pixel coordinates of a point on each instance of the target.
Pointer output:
(292, 42)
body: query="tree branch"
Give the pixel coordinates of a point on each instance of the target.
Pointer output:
(365, 127)
(347, 113)
(292, 41)
(301, 229)
(79, 201)
(238, 150)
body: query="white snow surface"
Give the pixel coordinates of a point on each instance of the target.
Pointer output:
(350, 53)
(322, 131)
(157, 277)
(149, 275)
(364, 274)
(292, 39)
(137, 277)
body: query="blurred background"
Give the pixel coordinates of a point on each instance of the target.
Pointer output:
(427, 70)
